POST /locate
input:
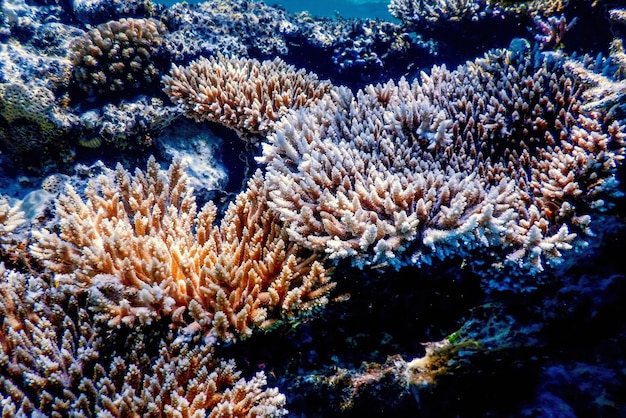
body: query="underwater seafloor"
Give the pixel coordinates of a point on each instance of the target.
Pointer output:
(325, 242)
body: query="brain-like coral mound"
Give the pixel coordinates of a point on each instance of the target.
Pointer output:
(120, 56)
(31, 120)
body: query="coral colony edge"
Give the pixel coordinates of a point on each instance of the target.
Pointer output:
(226, 209)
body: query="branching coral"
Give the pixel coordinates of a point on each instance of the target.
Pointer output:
(47, 348)
(12, 244)
(118, 57)
(139, 245)
(186, 382)
(243, 94)
(11, 217)
(417, 13)
(52, 363)
(606, 86)
(497, 154)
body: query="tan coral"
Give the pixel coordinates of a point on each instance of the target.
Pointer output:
(241, 93)
(118, 56)
(139, 245)
(187, 381)
(53, 362)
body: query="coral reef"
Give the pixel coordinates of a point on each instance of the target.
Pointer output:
(475, 205)
(497, 153)
(118, 57)
(128, 124)
(424, 12)
(138, 243)
(51, 365)
(359, 49)
(246, 28)
(243, 94)
(98, 11)
(31, 120)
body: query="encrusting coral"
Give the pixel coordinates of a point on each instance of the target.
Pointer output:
(31, 120)
(244, 94)
(497, 154)
(138, 244)
(118, 57)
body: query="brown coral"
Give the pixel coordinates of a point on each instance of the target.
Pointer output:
(120, 56)
(139, 245)
(243, 94)
(31, 122)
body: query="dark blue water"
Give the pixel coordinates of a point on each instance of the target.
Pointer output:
(326, 8)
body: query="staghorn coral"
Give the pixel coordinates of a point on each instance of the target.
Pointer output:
(243, 94)
(497, 154)
(118, 57)
(48, 348)
(188, 382)
(12, 244)
(550, 32)
(53, 362)
(138, 244)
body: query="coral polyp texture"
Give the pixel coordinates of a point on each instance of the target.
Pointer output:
(495, 155)
(51, 366)
(11, 217)
(118, 57)
(139, 245)
(244, 94)
(31, 120)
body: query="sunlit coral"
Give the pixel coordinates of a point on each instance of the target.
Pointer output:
(52, 363)
(496, 154)
(243, 94)
(138, 243)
